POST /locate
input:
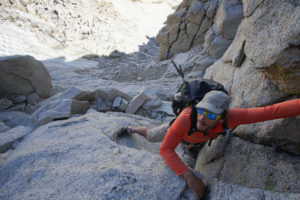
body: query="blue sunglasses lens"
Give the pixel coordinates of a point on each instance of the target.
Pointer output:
(210, 116)
(200, 111)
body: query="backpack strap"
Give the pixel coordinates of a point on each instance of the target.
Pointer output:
(225, 128)
(193, 127)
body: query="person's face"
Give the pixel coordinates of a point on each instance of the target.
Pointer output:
(204, 124)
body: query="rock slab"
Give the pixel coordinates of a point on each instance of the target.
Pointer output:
(75, 159)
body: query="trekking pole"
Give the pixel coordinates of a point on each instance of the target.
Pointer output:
(179, 70)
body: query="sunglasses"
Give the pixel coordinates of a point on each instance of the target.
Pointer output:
(209, 115)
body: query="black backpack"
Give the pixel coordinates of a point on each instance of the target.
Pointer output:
(189, 94)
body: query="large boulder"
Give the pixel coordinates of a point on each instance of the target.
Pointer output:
(74, 100)
(228, 18)
(255, 166)
(24, 75)
(215, 44)
(220, 190)
(15, 118)
(76, 159)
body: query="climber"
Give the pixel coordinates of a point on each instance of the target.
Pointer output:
(213, 111)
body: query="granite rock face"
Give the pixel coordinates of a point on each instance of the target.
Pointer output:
(254, 166)
(278, 42)
(220, 190)
(259, 69)
(24, 75)
(210, 23)
(76, 159)
(251, 47)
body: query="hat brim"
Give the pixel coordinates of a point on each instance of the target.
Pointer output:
(210, 108)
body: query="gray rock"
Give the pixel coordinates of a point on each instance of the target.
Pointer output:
(116, 102)
(33, 99)
(24, 75)
(249, 6)
(5, 155)
(79, 93)
(255, 166)
(79, 107)
(284, 72)
(215, 45)
(228, 18)
(155, 71)
(30, 108)
(206, 24)
(280, 51)
(152, 102)
(175, 17)
(58, 109)
(235, 53)
(163, 36)
(110, 94)
(196, 13)
(103, 106)
(165, 107)
(210, 12)
(192, 29)
(185, 28)
(9, 137)
(17, 98)
(172, 34)
(3, 127)
(62, 105)
(204, 61)
(15, 118)
(220, 190)
(18, 107)
(120, 104)
(116, 54)
(163, 52)
(136, 103)
(281, 134)
(185, 60)
(89, 165)
(5, 103)
(182, 44)
(262, 58)
(212, 152)
(239, 58)
(242, 82)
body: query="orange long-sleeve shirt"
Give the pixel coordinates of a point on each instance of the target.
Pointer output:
(235, 117)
